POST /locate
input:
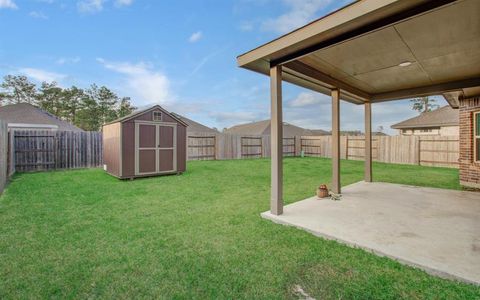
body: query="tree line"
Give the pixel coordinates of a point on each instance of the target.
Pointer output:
(86, 108)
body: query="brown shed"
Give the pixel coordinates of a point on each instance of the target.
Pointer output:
(149, 142)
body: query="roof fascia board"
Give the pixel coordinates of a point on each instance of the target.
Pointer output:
(148, 110)
(429, 90)
(324, 24)
(362, 30)
(302, 68)
(423, 126)
(331, 24)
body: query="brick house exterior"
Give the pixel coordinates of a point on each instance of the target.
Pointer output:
(469, 168)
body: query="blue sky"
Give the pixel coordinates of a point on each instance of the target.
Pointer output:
(179, 54)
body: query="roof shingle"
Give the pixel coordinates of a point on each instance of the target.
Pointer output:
(444, 116)
(24, 113)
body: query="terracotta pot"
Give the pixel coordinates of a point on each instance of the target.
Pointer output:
(322, 191)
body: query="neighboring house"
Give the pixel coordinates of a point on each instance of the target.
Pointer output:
(263, 128)
(442, 121)
(195, 127)
(359, 133)
(25, 116)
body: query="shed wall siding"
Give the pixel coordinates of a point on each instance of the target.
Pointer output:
(128, 140)
(469, 169)
(111, 149)
(181, 148)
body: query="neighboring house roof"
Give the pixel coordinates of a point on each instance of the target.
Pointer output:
(141, 111)
(263, 128)
(24, 114)
(195, 126)
(319, 132)
(359, 133)
(444, 116)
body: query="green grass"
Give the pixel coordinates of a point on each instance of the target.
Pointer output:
(85, 234)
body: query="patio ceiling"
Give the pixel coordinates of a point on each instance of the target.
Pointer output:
(360, 48)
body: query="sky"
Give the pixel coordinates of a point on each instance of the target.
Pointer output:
(179, 54)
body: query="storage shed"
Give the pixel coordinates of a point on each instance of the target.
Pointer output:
(149, 142)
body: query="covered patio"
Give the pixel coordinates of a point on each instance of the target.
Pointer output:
(434, 229)
(368, 52)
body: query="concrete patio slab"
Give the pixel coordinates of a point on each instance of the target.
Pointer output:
(436, 230)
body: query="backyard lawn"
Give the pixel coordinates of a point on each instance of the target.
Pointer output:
(85, 234)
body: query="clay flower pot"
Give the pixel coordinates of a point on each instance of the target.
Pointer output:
(322, 191)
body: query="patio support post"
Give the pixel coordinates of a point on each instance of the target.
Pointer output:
(368, 142)
(276, 125)
(336, 141)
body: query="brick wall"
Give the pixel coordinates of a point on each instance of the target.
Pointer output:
(469, 169)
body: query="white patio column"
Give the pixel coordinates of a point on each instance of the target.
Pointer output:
(368, 142)
(336, 141)
(276, 127)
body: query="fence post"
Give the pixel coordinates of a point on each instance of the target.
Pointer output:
(346, 147)
(55, 149)
(419, 150)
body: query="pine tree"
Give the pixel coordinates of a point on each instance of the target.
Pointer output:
(17, 89)
(424, 104)
(125, 107)
(49, 98)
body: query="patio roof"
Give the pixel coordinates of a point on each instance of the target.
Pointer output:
(371, 51)
(380, 50)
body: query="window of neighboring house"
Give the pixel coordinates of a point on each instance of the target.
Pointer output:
(404, 131)
(157, 116)
(426, 130)
(476, 135)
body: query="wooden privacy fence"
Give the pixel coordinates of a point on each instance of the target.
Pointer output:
(231, 146)
(434, 151)
(428, 151)
(51, 150)
(3, 155)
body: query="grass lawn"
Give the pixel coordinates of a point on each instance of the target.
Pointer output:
(85, 234)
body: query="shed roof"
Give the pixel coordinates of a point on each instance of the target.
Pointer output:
(379, 50)
(263, 128)
(444, 116)
(194, 126)
(142, 111)
(24, 113)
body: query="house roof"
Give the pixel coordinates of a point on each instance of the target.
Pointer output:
(195, 126)
(318, 132)
(27, 114)
(263, 128)
(380, 50)
(444, 116)
(141, 111)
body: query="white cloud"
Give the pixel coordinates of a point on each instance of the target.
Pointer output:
(246, 26)
(67, 60)
(42, 75)
(149, 85)
(37, 15)
(301, 12)
(307, 99)
(90, 6)
(8, 4)
(123, 2)
(195, 37)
